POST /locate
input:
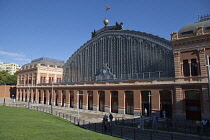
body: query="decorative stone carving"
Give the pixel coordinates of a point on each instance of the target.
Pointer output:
(199, 30)
(105, 74)
(176, 53)
(174, 36)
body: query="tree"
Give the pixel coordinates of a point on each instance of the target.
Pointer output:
(8, 79)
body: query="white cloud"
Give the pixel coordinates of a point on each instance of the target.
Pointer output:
(11, 54)
(11, 57)
(23, 59)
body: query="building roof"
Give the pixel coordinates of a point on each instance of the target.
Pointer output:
(191, 28)
(45, 61)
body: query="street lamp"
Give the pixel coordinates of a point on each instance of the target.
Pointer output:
(149, 102)
(78, 106)
(51, 99)
(4, 93)
(13, 98)
(28, 95)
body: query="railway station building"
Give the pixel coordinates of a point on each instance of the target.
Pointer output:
(128, 72)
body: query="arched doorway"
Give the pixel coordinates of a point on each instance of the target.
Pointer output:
(166, 103)
(90, 100)
(56, 98)
(40, 95)
(101, 100)
(129, 108)
(114, 101)
(192, 104)
(71, 99)
(63, 98)
(45, 96)
(146, 108)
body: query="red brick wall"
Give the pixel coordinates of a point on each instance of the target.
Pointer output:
(10, 90)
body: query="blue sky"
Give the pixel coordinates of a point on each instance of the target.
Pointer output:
(30, 29)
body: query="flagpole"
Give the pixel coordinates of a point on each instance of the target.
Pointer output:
(106, 14)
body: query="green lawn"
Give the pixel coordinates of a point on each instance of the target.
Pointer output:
(24, 124)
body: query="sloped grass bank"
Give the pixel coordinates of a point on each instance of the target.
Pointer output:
(24, 124)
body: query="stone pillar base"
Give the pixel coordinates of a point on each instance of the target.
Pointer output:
(108, 110)
(95, 108)
(75, 106)
(59, 104)
(67, 105)
(137, 113)
(85, 107)
(47, 103)
(42, 102)
(121, 111)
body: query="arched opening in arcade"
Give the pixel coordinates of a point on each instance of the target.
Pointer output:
(45, 96)
(30, 95)
(90, 100)
(146, 103)
(114, 101)
(40, 95)
(192, 104)
(56, 98)
(34, 96)
(129, 106)
(26, 95)
(21, 96)
(18, 96)
(101, 100)
(50, 98)
(71, 99)
(165, 103)
(63, 98)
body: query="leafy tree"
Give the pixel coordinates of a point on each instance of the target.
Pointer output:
(8, 79)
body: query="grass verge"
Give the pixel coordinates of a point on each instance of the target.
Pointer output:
(24, 124)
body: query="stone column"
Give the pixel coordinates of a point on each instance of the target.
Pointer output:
(137, 102)
(42, 97)
(17, 94)
(155, 102)
(178, 111)
(205, 102)
(95, 100)
(121, 100)
(59, 98)
(67, 98)
(177, 65)
(47, 97)
(53, 97)
(107, 101)
(21, 93)
(85, 100)
(202, 60)
(32, 96)
(24, 95)
(37, 96)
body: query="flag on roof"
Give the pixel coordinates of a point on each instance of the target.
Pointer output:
(107, 7)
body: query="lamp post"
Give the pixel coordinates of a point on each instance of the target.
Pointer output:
(51, 100)
(208, 71)
(149, 102)
(4, 93)
(13, 98)
(28, 95)
(78, 106)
